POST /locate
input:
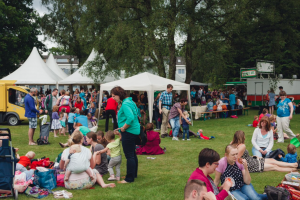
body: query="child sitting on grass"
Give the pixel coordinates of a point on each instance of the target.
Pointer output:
(76, 165)
(25, 161)
(291, 157)
(185, 126)
(255, 121)
(114, 150)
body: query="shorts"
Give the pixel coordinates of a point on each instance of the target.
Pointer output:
(32, 122)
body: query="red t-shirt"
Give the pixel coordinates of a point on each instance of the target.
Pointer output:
(79, 105)
(260, 116)
(255, 123)
(111, 104)
(25, 161)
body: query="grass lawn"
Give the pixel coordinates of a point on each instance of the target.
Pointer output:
(166, 176)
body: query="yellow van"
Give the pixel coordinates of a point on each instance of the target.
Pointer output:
(12, 107)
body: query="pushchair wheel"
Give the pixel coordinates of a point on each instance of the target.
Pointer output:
(16, 194)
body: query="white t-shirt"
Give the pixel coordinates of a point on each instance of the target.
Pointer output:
(79, 162)
(240, 103)
(258, 140)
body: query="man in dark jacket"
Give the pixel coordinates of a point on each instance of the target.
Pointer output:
(30, 113)
(50, 102)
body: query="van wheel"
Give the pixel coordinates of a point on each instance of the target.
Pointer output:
(12, 120)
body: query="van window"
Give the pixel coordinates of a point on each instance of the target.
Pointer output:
(16, 97)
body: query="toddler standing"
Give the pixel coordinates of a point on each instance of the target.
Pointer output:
(114, 149)
(56, 125)
(71, 119)
(185, 126)
(25, 161)
(291, 157)
(63, 117)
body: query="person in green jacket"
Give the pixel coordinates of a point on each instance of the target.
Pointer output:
(129, 126)
(50, 101)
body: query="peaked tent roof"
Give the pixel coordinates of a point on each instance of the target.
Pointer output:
(144, 81)
(51, 63)
(33, 71)
(78, 78)
(198, 83)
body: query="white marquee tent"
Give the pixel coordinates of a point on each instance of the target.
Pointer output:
(79, 79)
(146, 82)
(51, 63)
(34, 71)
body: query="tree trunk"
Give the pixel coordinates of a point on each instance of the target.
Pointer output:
(171, 42)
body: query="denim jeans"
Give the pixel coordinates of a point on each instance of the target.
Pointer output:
(175, 125)
(71, 128)
(128, 143)
(187, 132)
(232, 106)
(156, 116)
(247, 192)
(257, 153)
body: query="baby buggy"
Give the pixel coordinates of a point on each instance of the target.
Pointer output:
(7, 165)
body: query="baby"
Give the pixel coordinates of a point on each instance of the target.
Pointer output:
(25, 161)
(291, 157)
(75, 164)
(203, 137)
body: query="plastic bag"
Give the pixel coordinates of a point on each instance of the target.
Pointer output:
(44, 119)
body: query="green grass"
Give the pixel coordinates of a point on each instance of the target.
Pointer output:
(166, 176)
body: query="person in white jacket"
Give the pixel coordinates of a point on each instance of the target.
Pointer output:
(262, 139)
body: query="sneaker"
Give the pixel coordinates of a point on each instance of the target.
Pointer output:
(175, 138)
(163, 136)
(188, 139)
(182, 139)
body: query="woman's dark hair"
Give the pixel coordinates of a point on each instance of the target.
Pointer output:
(92, 135)
(282, 93)
(272, 90)
(208, 156)
(264, 111)
(268, 124)
(119, 92)
(183, 100)
(149, 127)
(103, 141)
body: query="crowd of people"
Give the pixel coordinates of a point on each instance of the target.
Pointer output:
(84, 167)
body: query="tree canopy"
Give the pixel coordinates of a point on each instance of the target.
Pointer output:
(18, 34)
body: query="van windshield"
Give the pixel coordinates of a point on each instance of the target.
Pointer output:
(16, 97)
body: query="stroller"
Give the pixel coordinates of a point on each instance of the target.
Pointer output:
(7, 166)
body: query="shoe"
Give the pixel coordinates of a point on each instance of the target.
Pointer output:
(188, 139)
(163, 136)
(182, 139)
(175, 138)
(111, 179)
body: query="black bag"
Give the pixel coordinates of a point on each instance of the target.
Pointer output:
(277, 193)
(274, 154)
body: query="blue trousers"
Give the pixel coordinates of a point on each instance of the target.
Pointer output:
(186, 131)
(175, 125)
(255, 152)
(247, 192)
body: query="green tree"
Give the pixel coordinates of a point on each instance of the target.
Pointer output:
(18, 33)
(59, 51)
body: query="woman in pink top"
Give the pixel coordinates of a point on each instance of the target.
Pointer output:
(208, 162)
(152, 146)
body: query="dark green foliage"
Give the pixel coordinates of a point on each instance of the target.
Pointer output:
(18, 33)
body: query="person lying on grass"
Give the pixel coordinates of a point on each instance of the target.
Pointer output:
(82, 180)
(258, 164)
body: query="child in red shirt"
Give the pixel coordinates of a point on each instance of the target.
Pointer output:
(255, 122)
(25, 161)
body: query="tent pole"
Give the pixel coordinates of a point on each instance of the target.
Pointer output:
(100, 103)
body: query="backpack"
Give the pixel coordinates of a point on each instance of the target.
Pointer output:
(277, 193)
(43, 102)
(274, 154)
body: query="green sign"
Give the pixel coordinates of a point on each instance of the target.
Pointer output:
(248, 73)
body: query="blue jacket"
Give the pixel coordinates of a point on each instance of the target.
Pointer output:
(289, 158)
(30, 110)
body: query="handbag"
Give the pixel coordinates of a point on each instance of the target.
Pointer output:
(45, 179)
(277, 193)
(274, 154)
